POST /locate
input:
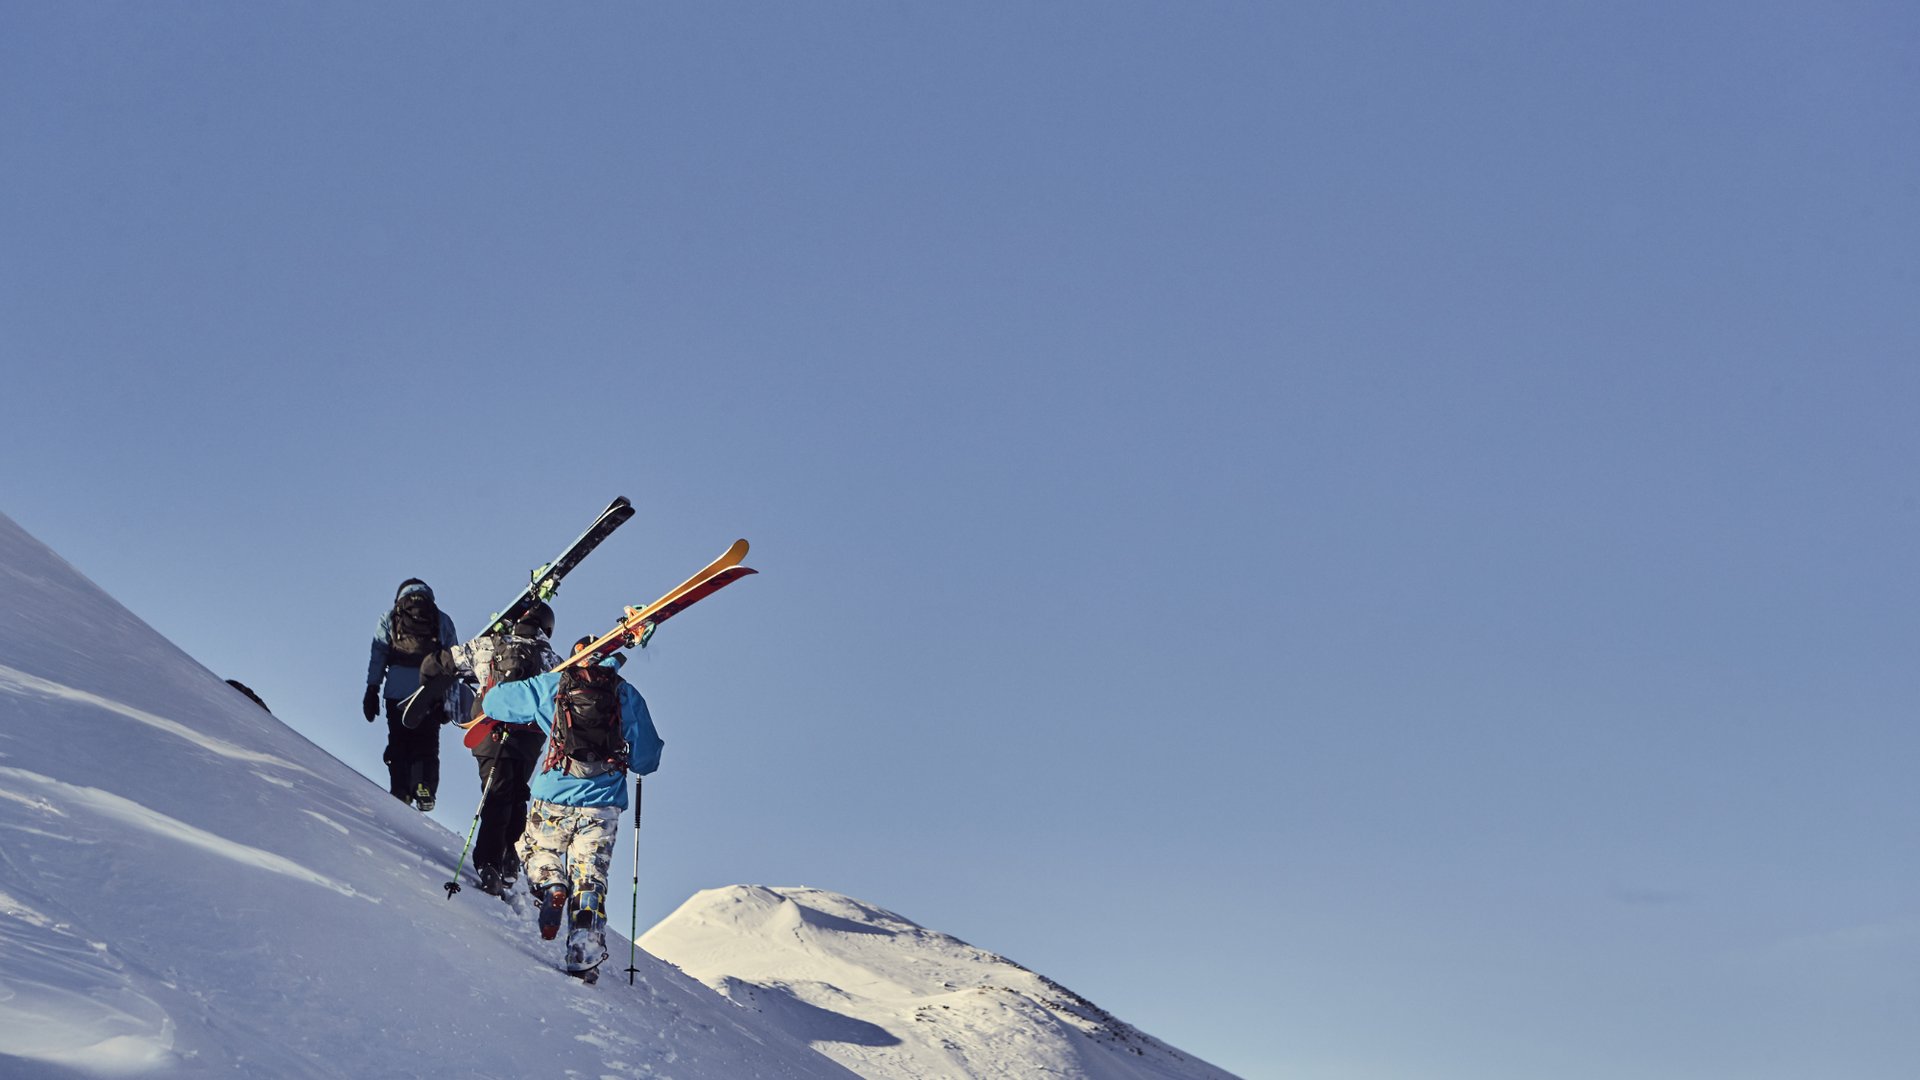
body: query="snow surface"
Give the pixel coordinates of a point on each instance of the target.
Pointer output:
(889, 998)
(190, 888)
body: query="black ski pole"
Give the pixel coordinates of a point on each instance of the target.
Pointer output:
(453, 886)
(633, 923)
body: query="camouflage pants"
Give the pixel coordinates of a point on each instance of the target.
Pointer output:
(571, 845)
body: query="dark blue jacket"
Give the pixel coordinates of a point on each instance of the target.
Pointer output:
(400, 679)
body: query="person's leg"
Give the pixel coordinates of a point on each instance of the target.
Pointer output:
(490, 841)
(543, 851)
(416, 758)
(429, 732)
(515, 791)
(509, 801)
(588, 858)
(492, 846)
(398, 757)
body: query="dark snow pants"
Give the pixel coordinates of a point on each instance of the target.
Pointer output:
(503, 817)
(412, 757)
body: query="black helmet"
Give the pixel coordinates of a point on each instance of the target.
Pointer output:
(537, 622)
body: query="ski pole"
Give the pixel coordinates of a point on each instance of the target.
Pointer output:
(453, 886)
(633, 924)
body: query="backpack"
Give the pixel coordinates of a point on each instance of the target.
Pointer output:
(514, 658)
(508, 658)
(588, 739)
(415, 630)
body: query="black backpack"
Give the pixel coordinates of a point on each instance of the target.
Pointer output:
(588, 739)
(514, 658)
(415, 630)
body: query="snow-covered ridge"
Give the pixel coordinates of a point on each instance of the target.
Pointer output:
(189, 888)
(890, 998)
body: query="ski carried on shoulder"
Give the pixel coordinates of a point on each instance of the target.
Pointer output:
(545, 581)
(541, 585)
(637, 625)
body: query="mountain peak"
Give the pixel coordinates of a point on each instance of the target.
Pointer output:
(888, 997)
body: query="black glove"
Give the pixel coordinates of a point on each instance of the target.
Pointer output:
(437, 664)
(371, 703)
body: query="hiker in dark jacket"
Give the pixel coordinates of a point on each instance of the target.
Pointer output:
(505, 753)
(410, 632)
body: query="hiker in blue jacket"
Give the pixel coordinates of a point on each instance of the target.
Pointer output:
(413, 630)
(598, 730)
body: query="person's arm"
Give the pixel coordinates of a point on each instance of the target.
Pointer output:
(377, 655)
(523, 701)
(376, 670)
(465, 659)
(643, 742)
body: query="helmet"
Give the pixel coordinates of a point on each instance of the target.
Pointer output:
(537, 622)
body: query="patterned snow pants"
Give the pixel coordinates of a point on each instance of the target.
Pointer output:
(571, 845)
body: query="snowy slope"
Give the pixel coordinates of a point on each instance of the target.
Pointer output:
(890, 999)
(189, 888)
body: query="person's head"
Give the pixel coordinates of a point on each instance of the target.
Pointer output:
(617, 660)
(537, 622)
(412, 585)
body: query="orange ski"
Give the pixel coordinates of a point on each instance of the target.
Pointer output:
(638, 624)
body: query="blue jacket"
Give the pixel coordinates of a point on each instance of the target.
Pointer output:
(530, 701)
(401, 680)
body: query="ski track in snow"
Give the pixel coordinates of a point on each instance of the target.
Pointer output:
(127, 812)
(17, 681)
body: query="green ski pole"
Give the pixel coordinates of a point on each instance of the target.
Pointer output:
(453, 886)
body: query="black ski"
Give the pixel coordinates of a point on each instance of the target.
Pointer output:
(544, 582)
(541, 585)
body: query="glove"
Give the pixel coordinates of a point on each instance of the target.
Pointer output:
(437, 664)
(371, 703)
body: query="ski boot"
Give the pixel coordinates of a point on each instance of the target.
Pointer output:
(587, 935)
(589, 909)
(423, 798)
(490, 880)
(553, 905)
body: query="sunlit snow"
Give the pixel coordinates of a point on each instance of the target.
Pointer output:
(190, 888)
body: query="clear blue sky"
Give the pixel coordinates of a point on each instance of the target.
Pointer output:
(1373, 541)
